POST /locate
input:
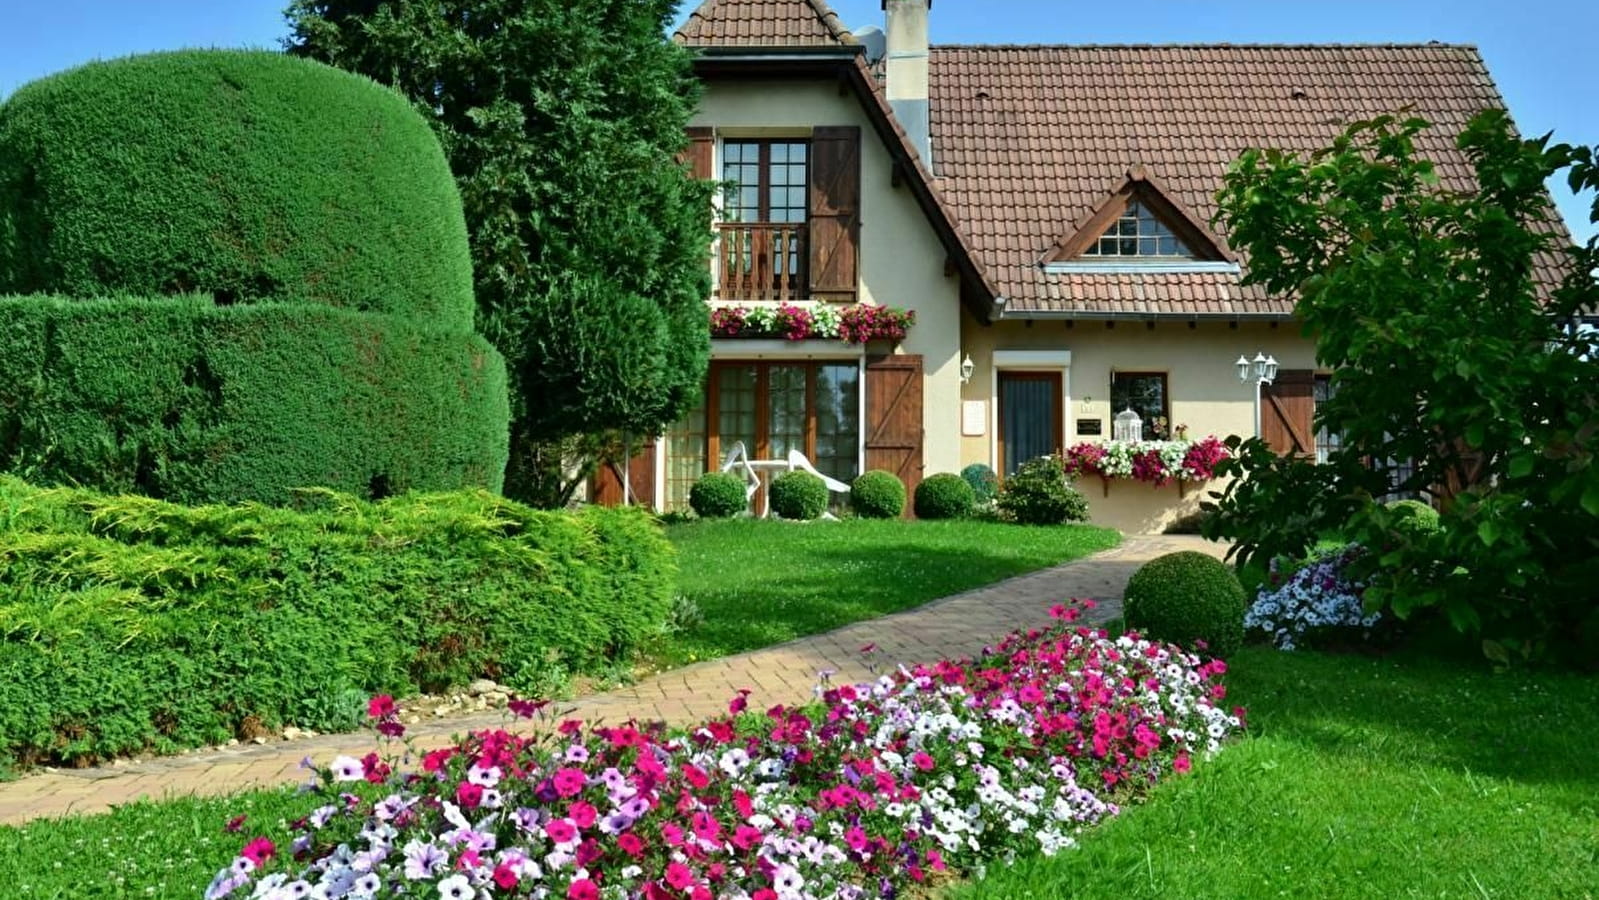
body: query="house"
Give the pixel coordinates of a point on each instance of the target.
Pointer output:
(1045, 212)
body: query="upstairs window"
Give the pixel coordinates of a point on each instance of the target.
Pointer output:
(1139, 234)
(767, 181)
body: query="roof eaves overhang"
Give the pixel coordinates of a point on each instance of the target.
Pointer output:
(848, 66)
(1016, 315)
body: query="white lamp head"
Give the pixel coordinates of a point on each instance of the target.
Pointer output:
(1271, 369)
(967, 368)
(1260, 365)
(1243, 368)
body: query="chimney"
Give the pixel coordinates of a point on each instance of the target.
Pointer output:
(907, 71)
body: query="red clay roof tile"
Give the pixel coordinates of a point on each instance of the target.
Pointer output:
(764, 23)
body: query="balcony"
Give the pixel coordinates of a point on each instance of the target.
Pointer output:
(761, 261)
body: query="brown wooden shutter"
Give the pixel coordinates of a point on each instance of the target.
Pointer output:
(894, 417)
(835, 220)
(1288, 412)
(701, 152)
(641, 471)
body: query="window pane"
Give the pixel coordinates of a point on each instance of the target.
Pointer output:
(685, 458)
(735, 414)
(786, 390)
(1144, 394)
(779, 153)
(838, 429)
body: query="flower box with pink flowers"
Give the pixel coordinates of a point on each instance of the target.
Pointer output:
(1154, 462)
(859, 323)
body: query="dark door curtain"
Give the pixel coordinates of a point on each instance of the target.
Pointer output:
(1029, 409)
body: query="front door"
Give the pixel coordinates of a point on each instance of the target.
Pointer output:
(1029, 417)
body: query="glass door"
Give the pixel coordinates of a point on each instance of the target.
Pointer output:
(1029, 417)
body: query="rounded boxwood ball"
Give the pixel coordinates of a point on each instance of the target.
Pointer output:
(984, 482)
(878, 495)
(246, 175)
(1187, 597)
(944, 496)
(798, 495)
(1415, 520)
(718, 495)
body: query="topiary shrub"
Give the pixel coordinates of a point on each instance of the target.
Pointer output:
(718, 495)
(798, 495)
(1185, 598)
(134, 624)
(1414, 520)
(190, 402)
(1039, 494)
(303, 312)
(944, 496)
(984, 482)
(878, 495)
(272, 178)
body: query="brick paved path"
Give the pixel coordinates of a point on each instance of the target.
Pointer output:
(955, 626)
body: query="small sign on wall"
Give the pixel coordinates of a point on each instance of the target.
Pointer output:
(974, 418)
(1090, 426)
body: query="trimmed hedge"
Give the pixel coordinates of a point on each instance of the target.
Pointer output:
(718, 495)
(1414, 520)
(944, 496)
(183, 400)
(249, 175)
(1039, 494)
(877, 495)
(798, 495)
(133, 624)
(1187, 597)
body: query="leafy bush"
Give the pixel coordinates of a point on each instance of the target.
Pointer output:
(718, 495)
(798, 495)
(182, 400)
(1414, 520)
(1187, 597)
(984, 482)
(1306, 603)
(944, 496)
(878, 495)
(778, 807)
(133, 624)
(1039, 494)
(274, 179)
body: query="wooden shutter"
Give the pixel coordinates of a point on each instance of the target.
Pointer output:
(835, 219)
(701, 150)
(641, 472)
(894, 417)
(1288, 412)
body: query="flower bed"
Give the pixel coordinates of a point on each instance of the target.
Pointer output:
(872, 788)
(855, 324)
(1315, 600)
(1157, 462)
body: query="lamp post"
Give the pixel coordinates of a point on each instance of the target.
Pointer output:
(1264, 370)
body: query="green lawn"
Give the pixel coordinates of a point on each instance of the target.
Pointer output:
(1361, 778)
(167, 849)
(759, 583)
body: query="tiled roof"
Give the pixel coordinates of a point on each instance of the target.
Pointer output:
(764, 23)
(1031, 140)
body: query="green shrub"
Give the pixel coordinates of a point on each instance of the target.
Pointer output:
(878, 495)
(718, 495)
(1185, 598)
(984, 482)
(133, 624)
(798, 495)
(944, 496)
(1414, 520)
(1038, 494)
(248, 175)
(183, 400)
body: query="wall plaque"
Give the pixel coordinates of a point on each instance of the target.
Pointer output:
(1090, 426)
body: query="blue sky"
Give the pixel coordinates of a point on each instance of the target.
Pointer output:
(1542, 55)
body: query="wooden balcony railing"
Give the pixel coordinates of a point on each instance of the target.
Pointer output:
(762, 261)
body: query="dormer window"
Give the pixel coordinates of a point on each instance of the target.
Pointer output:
(1139, 234)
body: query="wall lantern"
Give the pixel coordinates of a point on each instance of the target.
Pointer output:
(967, 368)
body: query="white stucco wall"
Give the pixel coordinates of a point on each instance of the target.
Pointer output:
(1205, 393)
(901, 259)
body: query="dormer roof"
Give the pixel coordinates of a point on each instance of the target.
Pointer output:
(764, 24)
